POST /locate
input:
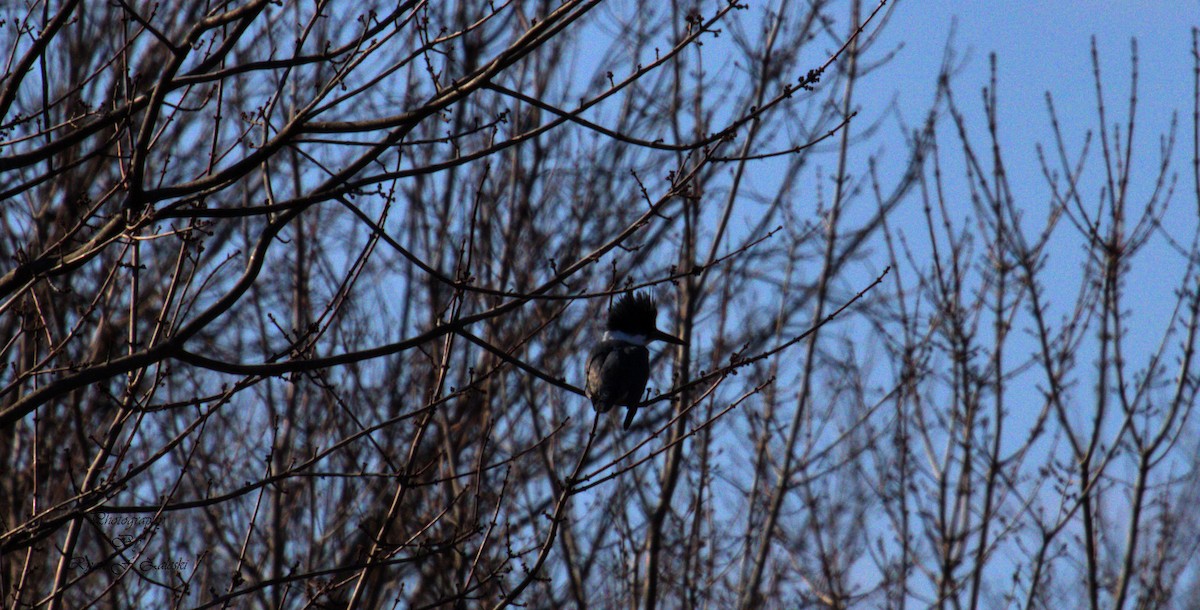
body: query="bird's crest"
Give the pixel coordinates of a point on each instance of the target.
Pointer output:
(635, 312)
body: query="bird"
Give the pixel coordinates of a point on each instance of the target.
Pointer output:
(619, 366)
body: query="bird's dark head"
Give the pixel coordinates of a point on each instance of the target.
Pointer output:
(634, 316)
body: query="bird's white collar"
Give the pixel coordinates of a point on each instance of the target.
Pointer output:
(616, 335)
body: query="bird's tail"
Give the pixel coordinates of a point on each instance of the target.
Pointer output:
(629, 417)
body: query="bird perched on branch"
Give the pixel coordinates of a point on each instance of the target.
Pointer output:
(618, 368)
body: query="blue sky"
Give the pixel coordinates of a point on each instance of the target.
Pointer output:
(1045, 47)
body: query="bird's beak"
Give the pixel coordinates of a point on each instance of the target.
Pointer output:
(661, 336)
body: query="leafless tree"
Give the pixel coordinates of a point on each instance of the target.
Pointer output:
(297, 294)
(1042, 419)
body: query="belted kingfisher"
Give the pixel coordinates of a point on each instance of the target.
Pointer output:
(618, 368)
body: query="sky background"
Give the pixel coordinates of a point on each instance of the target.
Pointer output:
(1045, 47)
(1040, 48)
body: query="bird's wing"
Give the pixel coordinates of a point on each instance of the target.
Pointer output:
(617, 375)
(637, 381)
(595, 387)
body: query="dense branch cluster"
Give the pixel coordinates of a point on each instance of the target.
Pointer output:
(294, 298)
